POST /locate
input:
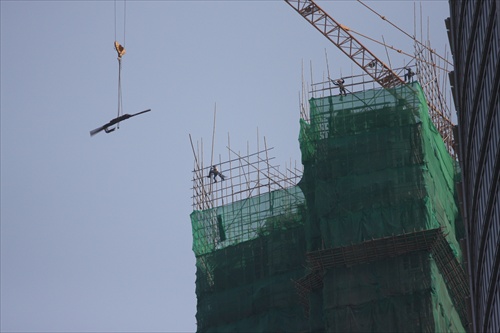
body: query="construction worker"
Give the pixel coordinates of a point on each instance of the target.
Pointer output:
(409, 74)
(214, 172)
(340, 84)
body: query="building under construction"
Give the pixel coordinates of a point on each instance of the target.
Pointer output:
(363, 237)
(366, 241)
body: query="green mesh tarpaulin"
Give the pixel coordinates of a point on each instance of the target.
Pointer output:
(376, 176)
(374, 166)
(247, 219)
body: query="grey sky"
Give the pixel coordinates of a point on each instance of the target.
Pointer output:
(95, 232)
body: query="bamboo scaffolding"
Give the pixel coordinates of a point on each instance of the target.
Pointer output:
(245, 176)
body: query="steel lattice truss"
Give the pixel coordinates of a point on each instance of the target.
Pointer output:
(340, 36)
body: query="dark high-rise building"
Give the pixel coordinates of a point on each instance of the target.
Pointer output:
(474, 32)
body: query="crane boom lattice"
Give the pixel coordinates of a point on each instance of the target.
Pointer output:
(340, 36)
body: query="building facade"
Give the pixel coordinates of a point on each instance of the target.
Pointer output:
(474, 32)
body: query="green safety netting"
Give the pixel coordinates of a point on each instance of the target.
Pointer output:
(374, 167)
(248, 286)
(240, 221)
(403, 294)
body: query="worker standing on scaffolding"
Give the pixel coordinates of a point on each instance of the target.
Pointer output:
(214, 172)
(409, 74)
(340, 84)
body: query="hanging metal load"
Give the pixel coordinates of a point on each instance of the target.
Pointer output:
(106, 127)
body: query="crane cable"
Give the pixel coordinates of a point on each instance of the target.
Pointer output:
(121, 51)
(393, 48)
(404, 32)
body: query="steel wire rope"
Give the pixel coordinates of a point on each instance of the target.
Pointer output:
(404, 32)
(120, 95)
(413, 57)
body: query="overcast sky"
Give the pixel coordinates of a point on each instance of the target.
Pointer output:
(95, 231)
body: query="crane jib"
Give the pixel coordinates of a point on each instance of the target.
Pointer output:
(340, 36)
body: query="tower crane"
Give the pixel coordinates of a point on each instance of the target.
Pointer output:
(340, 36)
